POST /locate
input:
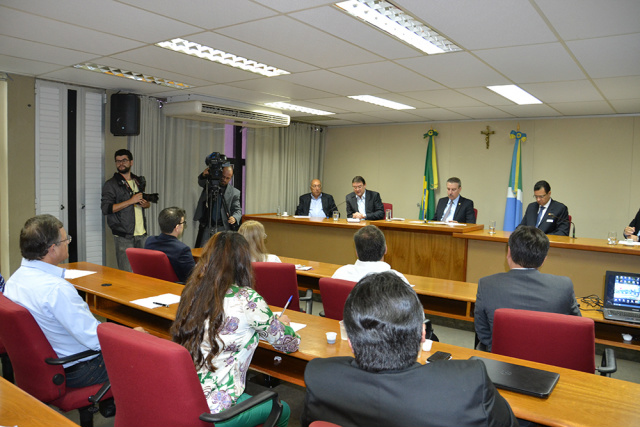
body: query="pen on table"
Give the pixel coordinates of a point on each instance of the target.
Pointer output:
(162, 304)
(285, 306)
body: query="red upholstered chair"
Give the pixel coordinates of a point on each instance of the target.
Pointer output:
(276, 282)
(155, 383)
(334, 293)
(151, 263)
(388, 206)
(31, 357)
(475, 213)
(551, 338)
(323, 424)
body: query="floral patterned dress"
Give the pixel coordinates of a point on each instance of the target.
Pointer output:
(248, 319)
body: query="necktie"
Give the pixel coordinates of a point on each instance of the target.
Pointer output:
(539, 216)
(446, 213)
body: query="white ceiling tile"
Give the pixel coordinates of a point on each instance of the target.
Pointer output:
(281, 88)
(583, 19)
(330, 82)
(333, 21)
(535, 63)
(439, 114)
(388, 76)
(27, 67)
(626, 106)
(206, 13)
(485, 112)
(239, 94)
(474, 24)
(616, 56)
(577, 91)
(445, 98)
(485, 96)
(361, 118)
(49, 32)
(403, 116)
(290, 6)
(55, 55)
(619, 87)
(535, 110)
(583, 108)
(455, 70)
(286, 36)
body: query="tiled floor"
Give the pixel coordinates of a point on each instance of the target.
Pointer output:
(628, 370)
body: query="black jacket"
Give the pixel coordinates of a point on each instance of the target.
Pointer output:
(114, 191)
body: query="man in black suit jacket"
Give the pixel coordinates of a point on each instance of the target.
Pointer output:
(548, 215)
(461, 208)
(172, 225)
(633, 230)
(328, 205)
(523, 287)
(373, 207)
(384, 385)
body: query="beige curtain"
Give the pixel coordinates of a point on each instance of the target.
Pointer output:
(170, 154)
(280, 164)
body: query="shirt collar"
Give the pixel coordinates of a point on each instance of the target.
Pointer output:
(456, 200)
(316, 198)
(44, 266)
(363, 195)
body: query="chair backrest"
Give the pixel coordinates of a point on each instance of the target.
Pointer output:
(555, 339)
(153, 380)
(388, 206)
(323, 424)
(28, 348)
(276, 282)
(334, 293)
(475, 213)
(151, 263)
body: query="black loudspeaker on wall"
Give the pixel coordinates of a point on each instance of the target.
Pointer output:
(125, 114)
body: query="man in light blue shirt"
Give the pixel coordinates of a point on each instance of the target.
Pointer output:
(40, 287)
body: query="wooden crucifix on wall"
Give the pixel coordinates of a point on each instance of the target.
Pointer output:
(486, 134)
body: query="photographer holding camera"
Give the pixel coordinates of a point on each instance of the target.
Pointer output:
(219, 204)
(123, 203)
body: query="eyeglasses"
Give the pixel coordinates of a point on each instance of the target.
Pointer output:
(68, 240)
(183, 223)
(122, 161)
(540, 197)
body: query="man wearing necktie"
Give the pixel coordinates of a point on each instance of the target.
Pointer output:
(633, 230)
(548, 215)
(454, 207)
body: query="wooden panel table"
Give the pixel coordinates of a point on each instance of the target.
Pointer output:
(579, 399)
(413, 247)
(583, 259)
(18, 408)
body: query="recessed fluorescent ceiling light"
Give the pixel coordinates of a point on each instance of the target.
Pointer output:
(382, 102)
(515, 94)
(291, 107)
(215, 55)
(105, 69)
(391, 19)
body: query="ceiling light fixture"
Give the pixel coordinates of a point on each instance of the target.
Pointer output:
(391, 19)
(292, 107)
(215, 55)
(382, 102)
(132, 75)
(515, 94)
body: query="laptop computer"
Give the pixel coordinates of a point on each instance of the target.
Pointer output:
(521, 379)
(622, 296)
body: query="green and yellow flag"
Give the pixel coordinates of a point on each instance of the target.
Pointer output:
(430, 179)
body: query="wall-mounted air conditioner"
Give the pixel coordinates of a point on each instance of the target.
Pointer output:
(205, 111)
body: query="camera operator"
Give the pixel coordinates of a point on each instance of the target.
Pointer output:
(123, 204)
(224, 199)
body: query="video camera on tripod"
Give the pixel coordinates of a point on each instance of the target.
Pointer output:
(215, 162)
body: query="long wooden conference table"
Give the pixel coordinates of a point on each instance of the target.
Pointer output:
(579, 399)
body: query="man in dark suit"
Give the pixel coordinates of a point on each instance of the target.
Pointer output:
(454, 207)
(226, 212)
(384, 385)
(316, 204)
(172, 223)
(633, 230)
(363, 203)
(548, 215)
(523, 287)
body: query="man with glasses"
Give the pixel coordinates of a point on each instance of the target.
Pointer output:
(172, 224)
(546, 214)
(123, 205)
(40, 287)
(363, 203)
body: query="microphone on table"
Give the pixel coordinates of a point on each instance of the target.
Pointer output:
(565, 220)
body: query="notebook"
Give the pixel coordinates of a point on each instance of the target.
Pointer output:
(521, 379)
(622, 296)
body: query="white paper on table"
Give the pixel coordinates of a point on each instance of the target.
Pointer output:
(167, 299)
(74, 274)
(397, 219)
(303, 267)
(353, 219)
(296, 326)
(624, 242)
(301, 216)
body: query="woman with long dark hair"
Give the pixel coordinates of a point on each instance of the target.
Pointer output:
(220, 320)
